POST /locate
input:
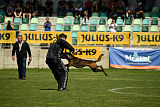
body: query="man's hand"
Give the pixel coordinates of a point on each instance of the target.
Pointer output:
(30, 58)
(13, 58)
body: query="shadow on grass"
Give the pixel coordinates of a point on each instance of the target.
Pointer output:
(13, 78)
(48, 89)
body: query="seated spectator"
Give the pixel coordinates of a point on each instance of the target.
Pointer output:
(112, 4)
(30, 3)
(139, 12)
(9, 26)
(47, 25)
(139, 2)
(120, 11)
(18, 11)
(88, 6)
(48, 8)
(38, 8)
(18, 1)
(104, 6)
(78, 11)
(35, 10)
(79, 2)
(27, 11)
(129, 11)
(61, 10)
(95, 6)
(85, 19)
(121, 2)
(70, 6)
(10, 11)
(113, 26)
(112, 8)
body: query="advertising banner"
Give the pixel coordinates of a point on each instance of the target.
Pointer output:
(103, 38)
(88, 52)
(43, 36)
(146, 38)
(7, 36)
(134, 59)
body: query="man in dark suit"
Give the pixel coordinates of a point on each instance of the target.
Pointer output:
(21, 48)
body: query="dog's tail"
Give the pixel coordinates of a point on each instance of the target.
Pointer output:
(99, 58)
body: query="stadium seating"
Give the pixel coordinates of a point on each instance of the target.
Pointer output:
(69, 14)
(67, 28)
(147, 15)
(0, 27)
(74, 34)
(128, 21)
(102, 21)
(76, 21)
(119, 29)
(58, 28)
(32, 27)
(119, 21)
(25, 20)
(16, 27)
(136, 28)
(100, 24)
(145, 29)
(108, 30)
(93, 28)
(154, 22)
(145, 22)
(76, 28)
(8, 19)
(154, 28)
(68, 21)
(24, 27)
(2, 12)
(4, 27)
(34, 21)
(155, 9)
(60, 21)
(1, 19)
(109, 21)
(17, 20)
(127, 28)
(137, 22)
(101, 28)
(74, 41)
(94, 15)
(103, 15)
(84, 28)
(155, 15)
(74, 38)
(94, 21)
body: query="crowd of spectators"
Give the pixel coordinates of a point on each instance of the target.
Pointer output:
(32, 8)
(79, 8)
(113, 8)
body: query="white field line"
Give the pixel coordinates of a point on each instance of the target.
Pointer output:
(115, 90)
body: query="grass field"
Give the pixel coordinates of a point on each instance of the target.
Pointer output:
(122, 88)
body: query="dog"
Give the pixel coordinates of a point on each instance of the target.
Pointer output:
(80, 63)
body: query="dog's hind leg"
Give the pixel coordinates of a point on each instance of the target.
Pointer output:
(102, 70)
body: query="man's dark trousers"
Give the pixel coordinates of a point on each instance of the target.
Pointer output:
(21, 67)
(59, 71)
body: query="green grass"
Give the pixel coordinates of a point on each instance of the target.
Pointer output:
(87, 89)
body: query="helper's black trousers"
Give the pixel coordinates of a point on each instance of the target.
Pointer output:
(59, 71)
